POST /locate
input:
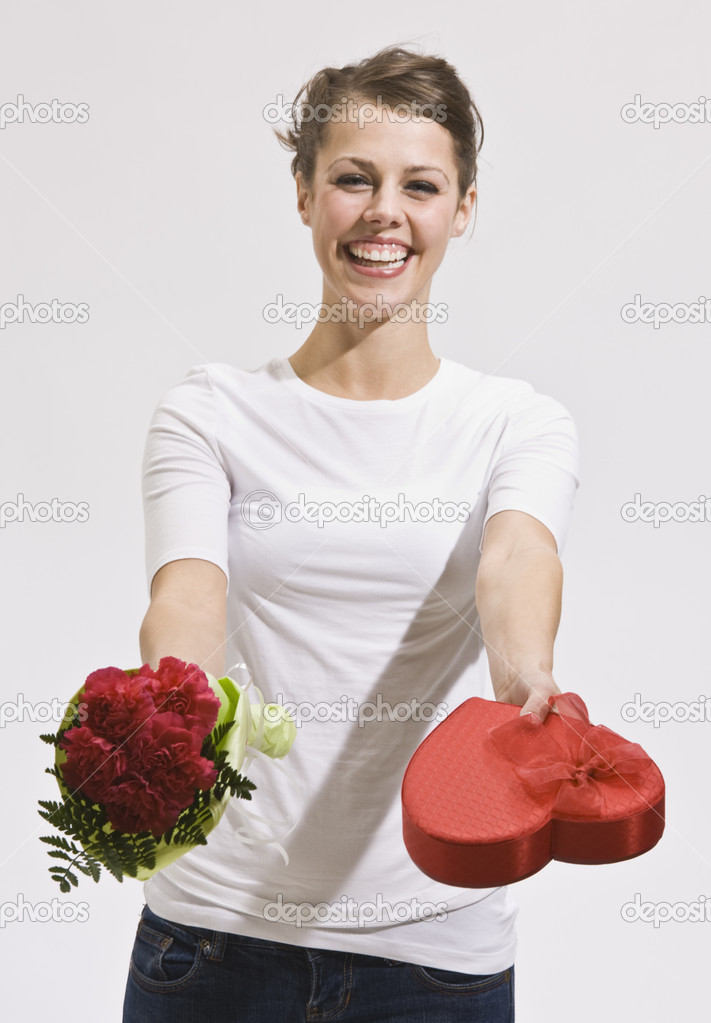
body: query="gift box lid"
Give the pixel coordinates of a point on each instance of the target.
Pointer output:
(491, 796)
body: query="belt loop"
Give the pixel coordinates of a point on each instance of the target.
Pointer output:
(214, 947)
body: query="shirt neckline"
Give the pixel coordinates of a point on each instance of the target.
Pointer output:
(313, 394)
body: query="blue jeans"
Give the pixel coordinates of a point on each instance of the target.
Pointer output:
(184, 974)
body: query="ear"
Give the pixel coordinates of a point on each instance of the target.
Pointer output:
(463, 214)
(303, 199)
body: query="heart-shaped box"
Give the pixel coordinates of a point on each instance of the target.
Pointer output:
(491, 796)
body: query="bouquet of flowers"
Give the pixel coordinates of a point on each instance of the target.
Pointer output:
(146, 762)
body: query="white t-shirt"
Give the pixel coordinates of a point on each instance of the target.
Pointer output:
(350, 532)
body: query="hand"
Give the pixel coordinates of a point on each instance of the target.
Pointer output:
(530, 691)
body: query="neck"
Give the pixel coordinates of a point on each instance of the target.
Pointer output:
(366, 365)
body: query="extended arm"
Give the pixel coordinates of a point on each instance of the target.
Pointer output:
(518, 595)
(186, 616)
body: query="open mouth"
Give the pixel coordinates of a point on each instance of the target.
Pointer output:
(378, 257)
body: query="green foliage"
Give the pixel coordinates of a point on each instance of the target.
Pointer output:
(228, 778)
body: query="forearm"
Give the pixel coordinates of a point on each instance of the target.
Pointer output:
(173, 628)
(519, 601)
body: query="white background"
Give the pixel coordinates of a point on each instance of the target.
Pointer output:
(171, 212)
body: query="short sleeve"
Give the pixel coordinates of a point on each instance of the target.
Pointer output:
(537, 467)
(186, 490)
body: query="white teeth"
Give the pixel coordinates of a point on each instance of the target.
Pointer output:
(379, 255)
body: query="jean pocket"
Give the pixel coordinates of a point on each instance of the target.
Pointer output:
(460, 983)
(166, 957)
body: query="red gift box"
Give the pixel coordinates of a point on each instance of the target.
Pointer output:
(491, 795)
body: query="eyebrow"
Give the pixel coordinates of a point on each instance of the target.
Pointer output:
(368, 163)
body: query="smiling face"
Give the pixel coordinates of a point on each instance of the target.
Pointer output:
(382, 206)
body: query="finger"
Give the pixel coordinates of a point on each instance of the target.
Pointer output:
(535, 705)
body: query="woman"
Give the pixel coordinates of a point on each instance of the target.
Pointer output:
(357, 523)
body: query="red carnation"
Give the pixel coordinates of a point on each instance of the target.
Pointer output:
(168, 755)
(183, 689)
(138, 753)
(133, 805)
(92, 762)
(116, 703)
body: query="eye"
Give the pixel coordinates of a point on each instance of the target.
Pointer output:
(352, 179)
(424, 186)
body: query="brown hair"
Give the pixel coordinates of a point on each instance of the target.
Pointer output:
(393, 76)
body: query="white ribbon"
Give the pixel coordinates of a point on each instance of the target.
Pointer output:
(244, 830)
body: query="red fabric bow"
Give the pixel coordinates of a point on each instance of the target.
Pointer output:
(582, 771)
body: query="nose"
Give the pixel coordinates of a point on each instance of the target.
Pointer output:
(385, 206)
